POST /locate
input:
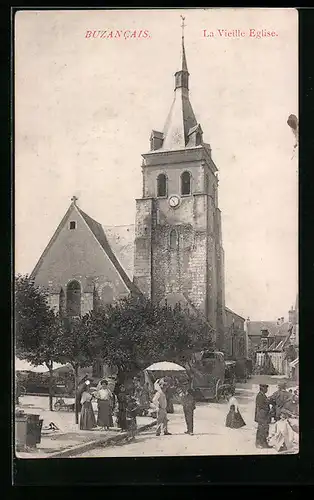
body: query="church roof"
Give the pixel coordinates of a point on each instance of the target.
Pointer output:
(117, 256)
(181, 121)
(99, 233)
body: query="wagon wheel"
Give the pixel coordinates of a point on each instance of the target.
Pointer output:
(217, 390)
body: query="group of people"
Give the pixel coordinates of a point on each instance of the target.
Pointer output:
(106, 403)
(280, 407)
(164, 406)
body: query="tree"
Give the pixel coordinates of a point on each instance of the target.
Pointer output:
(36, 327)
(75, 346)
(133, 333)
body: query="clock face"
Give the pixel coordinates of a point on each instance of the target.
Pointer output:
(174, 201)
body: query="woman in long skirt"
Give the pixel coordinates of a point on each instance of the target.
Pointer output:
(122, 408)
(104, 396)
(234, 418)
(87, 418)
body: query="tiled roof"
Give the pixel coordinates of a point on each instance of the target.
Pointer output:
(275, 330)
(256, 327)
(99, 234)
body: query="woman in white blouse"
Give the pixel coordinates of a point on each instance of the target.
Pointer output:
(104, 397)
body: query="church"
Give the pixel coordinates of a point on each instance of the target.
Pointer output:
(174, 250)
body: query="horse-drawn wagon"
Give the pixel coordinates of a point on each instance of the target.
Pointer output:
(212, 378)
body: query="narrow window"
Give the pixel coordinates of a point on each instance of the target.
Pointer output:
(206, 183)
(173, 239)
(161, 185)
(74, 299)
(61, 302)
(186, 183)
(72, 224)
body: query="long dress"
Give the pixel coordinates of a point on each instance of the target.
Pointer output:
(283, 436)
(87, 418)
(234, 418)
(104, 397)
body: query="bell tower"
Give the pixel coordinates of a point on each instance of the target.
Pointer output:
(178, 246)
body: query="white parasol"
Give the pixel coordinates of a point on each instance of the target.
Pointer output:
(165, 366)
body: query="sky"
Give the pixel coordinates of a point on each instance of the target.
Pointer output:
(85, 108)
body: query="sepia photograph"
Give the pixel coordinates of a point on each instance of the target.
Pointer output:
(156, 233)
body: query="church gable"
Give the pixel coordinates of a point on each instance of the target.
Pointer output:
(80, 251)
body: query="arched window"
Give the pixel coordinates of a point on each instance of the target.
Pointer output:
(186, 183)
(161, 185)
(173, 239)
(74, 299)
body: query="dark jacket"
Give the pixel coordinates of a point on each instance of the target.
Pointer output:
(279, 400)
(188, 402)
(262, 409)
(122, 401)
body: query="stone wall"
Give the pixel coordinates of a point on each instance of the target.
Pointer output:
(143, 245)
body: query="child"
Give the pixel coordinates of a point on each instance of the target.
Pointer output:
(188, 403)
(234, 418)
(131, 412)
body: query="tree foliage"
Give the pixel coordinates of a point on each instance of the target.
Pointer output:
(37, 328)
(134, 333)
(36, 325)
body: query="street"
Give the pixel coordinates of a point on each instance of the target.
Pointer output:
(211, 437)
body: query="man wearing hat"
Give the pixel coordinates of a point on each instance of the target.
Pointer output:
(262, 417)
(279, 399)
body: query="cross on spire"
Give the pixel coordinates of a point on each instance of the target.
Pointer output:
(74, 199)
(183, 25)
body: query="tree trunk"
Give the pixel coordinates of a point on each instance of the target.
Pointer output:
(76, 394)
(50, 368)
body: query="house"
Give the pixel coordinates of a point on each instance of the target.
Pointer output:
(278, 348)
(235, 344)
(258, 330)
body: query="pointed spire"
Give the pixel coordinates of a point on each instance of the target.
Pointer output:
(182, 76)
(184, 64)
